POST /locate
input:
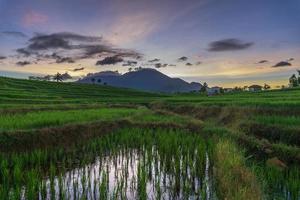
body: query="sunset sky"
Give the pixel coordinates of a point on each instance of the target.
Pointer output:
(222, 42)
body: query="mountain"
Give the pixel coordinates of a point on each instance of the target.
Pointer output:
(144, 79)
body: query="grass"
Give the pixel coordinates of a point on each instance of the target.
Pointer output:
(33, 120)
(287, 121)
(234, 180)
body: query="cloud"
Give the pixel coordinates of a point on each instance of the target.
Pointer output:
(154, 60)
(24, 52)
(189, 64)
(69, 47)
(130, 63)
(23, 63)
(111, 60)
(282, 64)
(263, 61)
(2, 57)
(172, 65)
(14, 34)
(229, 45)
(183, 58)
(198, 63)
(32, 18)
(291, 59)
(48, 42)
(78, 69)
(160, 65)
(65, 60)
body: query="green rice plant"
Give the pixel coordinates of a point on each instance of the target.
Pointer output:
(103, 190)
(141, 182)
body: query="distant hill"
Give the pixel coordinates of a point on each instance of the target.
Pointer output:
(144, 79)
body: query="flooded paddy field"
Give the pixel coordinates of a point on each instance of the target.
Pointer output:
(127, 164)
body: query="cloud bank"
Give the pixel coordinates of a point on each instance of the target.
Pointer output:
(231, 44)
(68, 47)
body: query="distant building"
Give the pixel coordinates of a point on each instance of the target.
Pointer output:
(228, 90)
(293, 81)
(255, 88)
(213, 90)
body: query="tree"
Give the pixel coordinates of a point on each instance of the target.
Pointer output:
(93, 80)
(204, 87)
(222, 91)
(57, 77)
(99, 80)
(266, 87)
(298, 77)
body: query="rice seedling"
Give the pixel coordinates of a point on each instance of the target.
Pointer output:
(131, 163)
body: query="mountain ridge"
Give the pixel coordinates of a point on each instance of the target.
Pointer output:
(146, 79)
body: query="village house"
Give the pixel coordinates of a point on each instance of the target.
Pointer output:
(228, 90)
(213, 90)
(255, 88)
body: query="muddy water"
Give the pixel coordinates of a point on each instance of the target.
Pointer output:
(132, 174)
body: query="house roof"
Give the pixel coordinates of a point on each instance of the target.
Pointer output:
(255, 86)
(215, 87)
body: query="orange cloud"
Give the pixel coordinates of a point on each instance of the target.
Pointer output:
(32, 18)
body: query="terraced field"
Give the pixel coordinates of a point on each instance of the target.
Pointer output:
(75, 141)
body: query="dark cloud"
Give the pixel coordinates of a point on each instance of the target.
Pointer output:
(291, 59)
(111, 60)
(92, 50)
(45, 42)
(58, 58)
(72, 47)
(172, 65)
(130, 63)
(24, 52)
(65, 60)
(229, 45)
(23, 63)
(78, 69)
(160, 65)
(2, 57)
(183, 58)
(189, 64)
(154, 60)
(198, 63)
(59, 40)
(14, 34)
(74, 37)
(282, 64)
(263, 61)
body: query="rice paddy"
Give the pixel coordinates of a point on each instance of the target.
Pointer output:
(73, 141)
(126, 164)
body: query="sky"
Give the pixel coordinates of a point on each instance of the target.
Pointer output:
(222, 42)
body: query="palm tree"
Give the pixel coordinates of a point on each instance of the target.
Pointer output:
(204, 87)
(266, 86)
(58, 77)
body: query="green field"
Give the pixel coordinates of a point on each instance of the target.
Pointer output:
(77, 141)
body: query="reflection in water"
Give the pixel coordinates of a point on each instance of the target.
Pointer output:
(135, 174)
